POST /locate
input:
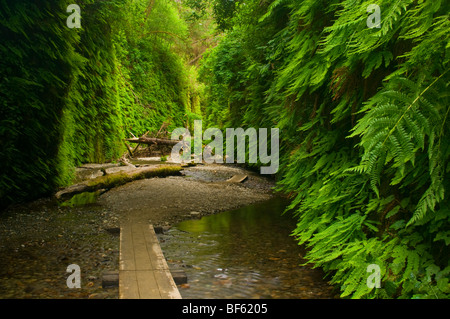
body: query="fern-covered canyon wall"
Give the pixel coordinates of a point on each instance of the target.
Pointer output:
(70, 95)
(363, 117)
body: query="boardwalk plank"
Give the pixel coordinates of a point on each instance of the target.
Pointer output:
(128, 287)
(157, 258)
(148, 287)
(144, 273)
(167, 286)
(143, 260)
(126, 261)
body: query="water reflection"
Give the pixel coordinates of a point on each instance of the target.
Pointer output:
(244, 253)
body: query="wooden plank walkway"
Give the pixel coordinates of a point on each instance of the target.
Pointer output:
(143, 270)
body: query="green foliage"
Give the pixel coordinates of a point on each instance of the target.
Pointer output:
(71, 96)
(153, 68)
(364, 126)
(402, 124)
(39, 66)
(224, 11)
(96, 115)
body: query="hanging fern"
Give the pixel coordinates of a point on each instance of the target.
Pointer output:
(364, 119)
(399, 122)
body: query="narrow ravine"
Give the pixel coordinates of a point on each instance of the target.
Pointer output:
(343, 103)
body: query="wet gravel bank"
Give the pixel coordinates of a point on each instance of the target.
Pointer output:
(39, 240)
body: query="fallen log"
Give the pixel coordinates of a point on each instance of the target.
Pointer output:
(116, 179)
(152, 140)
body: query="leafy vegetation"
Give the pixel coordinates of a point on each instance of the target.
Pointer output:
(363, 114)
(71, 96)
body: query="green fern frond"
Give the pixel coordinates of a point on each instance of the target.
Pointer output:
(392, 11)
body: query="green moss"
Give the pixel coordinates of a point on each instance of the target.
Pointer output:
(114, 180)
(87, 192)
(162, 171)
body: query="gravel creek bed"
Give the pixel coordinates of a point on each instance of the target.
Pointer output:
(39, 240)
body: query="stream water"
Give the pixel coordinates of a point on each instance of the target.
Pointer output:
(244, 253)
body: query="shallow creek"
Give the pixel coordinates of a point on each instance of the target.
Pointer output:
(243, 253)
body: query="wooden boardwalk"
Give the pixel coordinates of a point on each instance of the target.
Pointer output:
(143, 270)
